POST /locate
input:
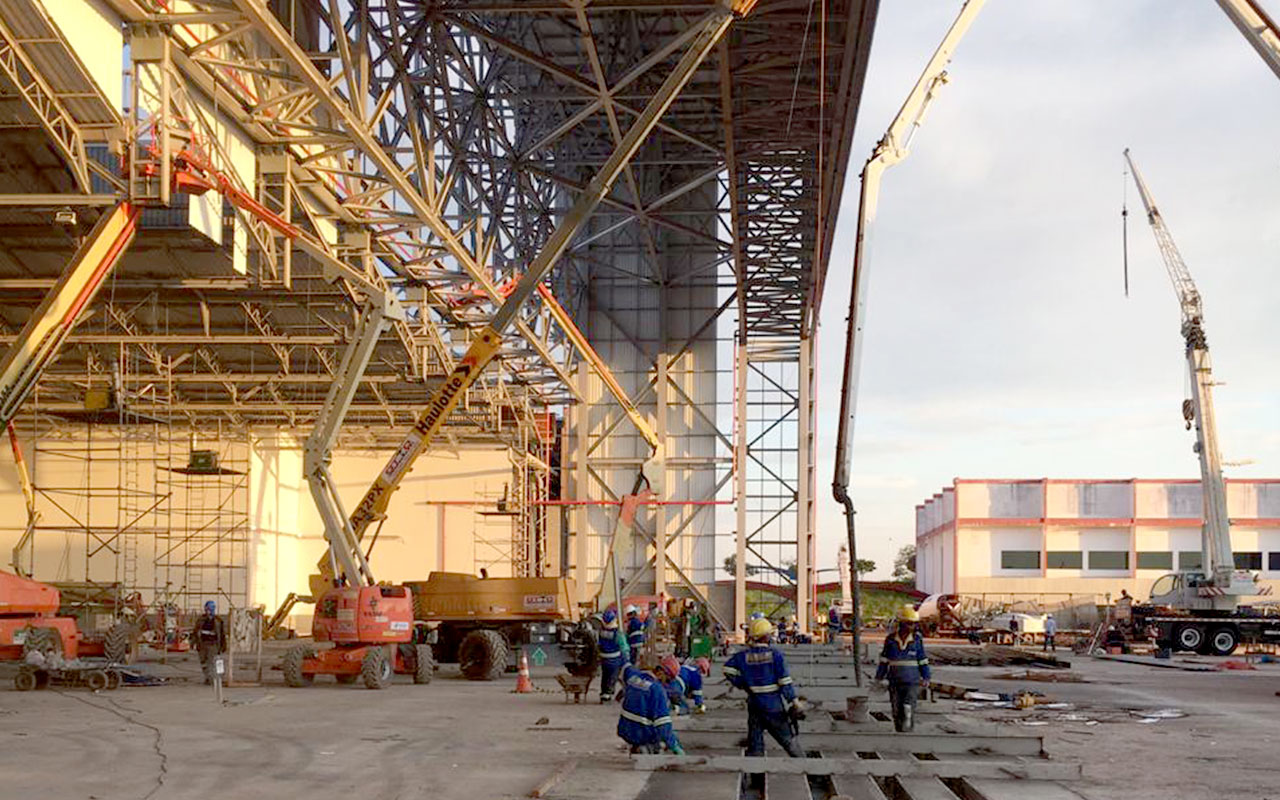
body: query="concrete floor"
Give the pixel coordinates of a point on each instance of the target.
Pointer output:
(478, 741)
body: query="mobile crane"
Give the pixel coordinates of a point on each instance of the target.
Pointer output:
(355, 613)
(1199, 610)
(890, 150)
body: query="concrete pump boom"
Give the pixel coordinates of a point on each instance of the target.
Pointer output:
(891, 149)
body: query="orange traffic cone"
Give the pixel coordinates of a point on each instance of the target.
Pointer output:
(524, 684)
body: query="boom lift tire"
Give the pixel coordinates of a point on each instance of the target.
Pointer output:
(45, 641)
(120, 645)
(424, 663)
(483, 655)
(292, 667)
(376, 668)
(1223, 641)
(25, 680)
(1190, 637)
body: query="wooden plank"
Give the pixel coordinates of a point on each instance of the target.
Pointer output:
(858, 787)
(844, 743)
(926, 789)
(554, 779)
(785, 787)
(1021, 790)
(1040, 770)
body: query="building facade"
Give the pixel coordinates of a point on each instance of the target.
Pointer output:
(1058, 540)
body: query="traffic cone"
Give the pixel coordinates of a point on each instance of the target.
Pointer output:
(524, 684)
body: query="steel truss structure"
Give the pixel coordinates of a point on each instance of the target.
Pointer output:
(431, 146)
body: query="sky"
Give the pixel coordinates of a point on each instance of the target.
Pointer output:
(999, 341)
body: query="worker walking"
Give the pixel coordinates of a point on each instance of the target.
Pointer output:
(210, 639)
(1050, 631)
(833, 624)
(645, 720)
(905, 666)
(761, 671)
(635, 633)
(614, 654)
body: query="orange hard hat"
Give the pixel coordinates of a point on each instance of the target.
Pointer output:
(704, 666)
(670, 665)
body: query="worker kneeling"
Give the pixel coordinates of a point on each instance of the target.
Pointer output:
(906, 668)
(761, 671)
(614, 654)
(683, 682)
(645, 721)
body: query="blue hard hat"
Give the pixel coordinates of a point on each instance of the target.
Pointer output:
(210, 607)
(757, 615)
(609, 616)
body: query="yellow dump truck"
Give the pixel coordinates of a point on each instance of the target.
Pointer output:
(481, 622)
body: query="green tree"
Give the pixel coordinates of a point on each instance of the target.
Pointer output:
(866, 565)
(904, 564)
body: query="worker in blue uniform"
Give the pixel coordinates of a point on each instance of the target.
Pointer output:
(904, 665)
(614, 654)
(691, 673)
(645, 720)
(833, 624)
(635, 633)
(761, 671)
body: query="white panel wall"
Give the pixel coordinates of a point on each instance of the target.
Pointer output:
(1253, 500)
(1168, 500)
(1090, 500)
(97, 38)
(1017, 500)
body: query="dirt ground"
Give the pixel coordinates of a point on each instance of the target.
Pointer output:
(478, 741)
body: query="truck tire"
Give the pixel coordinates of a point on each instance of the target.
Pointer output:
(292, 667)
(376, 668)
(583, 644)
(424, 663)
(1223, 640)
(1189, 637)
(121, 644)
(97, 680)
(46, 641)
(483, 655)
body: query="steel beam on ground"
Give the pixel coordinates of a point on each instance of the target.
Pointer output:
(842, 743)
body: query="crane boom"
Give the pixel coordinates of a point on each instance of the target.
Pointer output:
(892, 148)
(1258, 27)
(1218, 564)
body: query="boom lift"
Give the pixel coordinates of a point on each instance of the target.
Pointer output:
(1197, 609)
(892, 149)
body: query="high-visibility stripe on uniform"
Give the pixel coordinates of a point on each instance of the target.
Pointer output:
(909, 662)
(764, 688)
(730, 671)
(644, 720)
(785, 681)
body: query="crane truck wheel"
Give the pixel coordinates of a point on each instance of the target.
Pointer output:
(97, 680)
(121, 644)
(292, 667)
(424, 663)
(1190, 637)
(483, 655)
(376, 668)
(1223, 641)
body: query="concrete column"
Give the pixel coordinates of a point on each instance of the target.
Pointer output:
(804, 487)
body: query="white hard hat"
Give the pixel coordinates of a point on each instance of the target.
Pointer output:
(631, 609)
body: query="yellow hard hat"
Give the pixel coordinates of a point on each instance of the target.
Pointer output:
(908, 613)
(760, 628)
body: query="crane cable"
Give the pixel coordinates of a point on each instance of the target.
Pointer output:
(1124, 226)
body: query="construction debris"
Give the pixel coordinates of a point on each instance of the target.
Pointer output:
(993, 655)
(1045, 677)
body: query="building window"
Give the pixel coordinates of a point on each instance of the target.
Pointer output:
(1109, 559)
(1019, 559)
(1190, 559)
(1273, 562)
(1248, 560)
(1154, 559)
(1065, 559)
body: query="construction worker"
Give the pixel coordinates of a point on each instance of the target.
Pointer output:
(614, 654)
(210, 639)
(692, 673)
(1050, 631)
(833, 623)
(761, 671)
(905, 667)
(635, 633)
(645, 721)
(668, 674)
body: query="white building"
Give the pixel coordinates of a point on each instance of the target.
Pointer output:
(1065, 539)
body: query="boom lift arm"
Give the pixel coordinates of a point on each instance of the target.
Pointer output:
(1219, 564)
(892, 149)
